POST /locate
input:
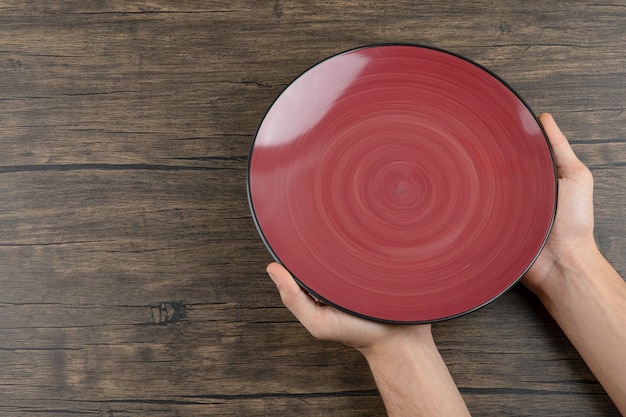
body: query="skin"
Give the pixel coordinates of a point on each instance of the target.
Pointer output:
(576, 284)
(581, 290)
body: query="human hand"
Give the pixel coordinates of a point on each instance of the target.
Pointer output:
(410, 374)
(577, 285)
(327, 323)
(572, 232)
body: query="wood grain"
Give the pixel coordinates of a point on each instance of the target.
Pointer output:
(132, 275)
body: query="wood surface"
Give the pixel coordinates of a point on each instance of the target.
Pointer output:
(131, 275)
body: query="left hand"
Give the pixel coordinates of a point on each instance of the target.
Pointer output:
(327, 323)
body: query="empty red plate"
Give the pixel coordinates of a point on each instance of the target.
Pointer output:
(402, 183)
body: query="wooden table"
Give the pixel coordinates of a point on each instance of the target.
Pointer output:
(131, 275)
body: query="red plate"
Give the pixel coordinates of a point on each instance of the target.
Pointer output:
(402, 183)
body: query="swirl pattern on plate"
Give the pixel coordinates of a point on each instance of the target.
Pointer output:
(402, 183)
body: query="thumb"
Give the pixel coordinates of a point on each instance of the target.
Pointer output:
(294, 298)
(564, 155)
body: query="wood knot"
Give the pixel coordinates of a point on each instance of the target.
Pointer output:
(169, 312)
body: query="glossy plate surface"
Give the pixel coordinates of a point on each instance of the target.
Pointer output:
(402, 183)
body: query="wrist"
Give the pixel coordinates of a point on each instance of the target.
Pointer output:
(557, 264)
(412, 377)
(404, 340)
(573, 271)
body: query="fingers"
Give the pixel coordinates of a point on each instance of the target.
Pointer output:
(297, 301)
(568, 165)
(564, 155)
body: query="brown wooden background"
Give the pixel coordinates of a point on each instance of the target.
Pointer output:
(131, 275)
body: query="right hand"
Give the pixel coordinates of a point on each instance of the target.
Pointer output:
(572, 232)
